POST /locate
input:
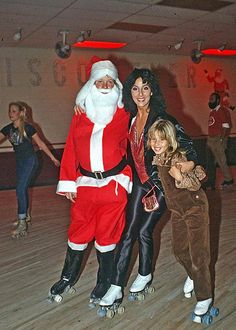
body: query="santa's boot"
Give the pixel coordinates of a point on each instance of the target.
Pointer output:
(105, 261)
(69, 275)
(188, 287)
(21, 229)
(140, 287)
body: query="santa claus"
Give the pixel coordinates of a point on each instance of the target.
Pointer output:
(95, 177)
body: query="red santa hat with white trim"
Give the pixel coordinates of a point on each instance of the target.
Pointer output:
(97, 69)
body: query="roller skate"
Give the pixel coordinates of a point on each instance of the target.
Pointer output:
(188, 287)
(204, 312)
(27, 219)
(59, 288)
(140, 287)
(105, 261)
(21, 229)
(110, 304)
(69, 276)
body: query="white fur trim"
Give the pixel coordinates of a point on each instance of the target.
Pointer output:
(77, 247)
(104, 248)
(96, 158)
(64, 186)
(99, 70)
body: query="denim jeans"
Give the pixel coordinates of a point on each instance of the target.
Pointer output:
(25, 169)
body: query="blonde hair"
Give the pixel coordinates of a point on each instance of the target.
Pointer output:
(166, 131)
(22, 109)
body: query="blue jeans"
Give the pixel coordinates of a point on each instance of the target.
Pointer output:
(25, 169)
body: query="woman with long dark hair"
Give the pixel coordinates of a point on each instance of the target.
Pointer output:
(144, 100)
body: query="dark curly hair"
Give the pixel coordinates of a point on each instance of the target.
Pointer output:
(157, 101)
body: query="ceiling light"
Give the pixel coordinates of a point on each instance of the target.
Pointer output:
(99, 44)
(222, 47)
(63, 49)
(17, 36)
(179, 44)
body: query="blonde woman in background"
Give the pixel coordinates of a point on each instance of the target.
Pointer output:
(22, 135)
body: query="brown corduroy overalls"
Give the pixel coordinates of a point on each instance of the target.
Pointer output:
(190, 231)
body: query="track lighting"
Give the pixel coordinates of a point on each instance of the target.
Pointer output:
(179, 44)
(17, 36)
(222, 47)
(82, 35)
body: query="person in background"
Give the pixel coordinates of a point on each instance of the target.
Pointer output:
(219, 125)
(143, 99)
(95, 177)
(22, 135)
(189, 209)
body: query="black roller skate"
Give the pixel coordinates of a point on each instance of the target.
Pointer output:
(105, 261)
(204, 312)
(110, 304)
(140, 288)
(69, 276)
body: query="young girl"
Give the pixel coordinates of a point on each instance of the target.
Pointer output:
(189, 214)
(20, 135)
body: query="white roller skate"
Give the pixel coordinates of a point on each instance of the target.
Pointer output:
(140, 287)
(110, 304)
(21, 229)
(188, 287)
(204, 312)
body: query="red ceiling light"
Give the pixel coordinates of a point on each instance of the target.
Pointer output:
(99, 44)
(218, 52)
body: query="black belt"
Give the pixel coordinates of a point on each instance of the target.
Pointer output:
(102, 175)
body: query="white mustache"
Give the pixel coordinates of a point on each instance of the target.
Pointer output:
(104, 90)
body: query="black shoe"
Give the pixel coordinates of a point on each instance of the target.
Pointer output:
(225, 183)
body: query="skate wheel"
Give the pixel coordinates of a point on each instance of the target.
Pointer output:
(121, 310)
(71, 290)
(195, 318)
(91, 305)
(131, 297)
(207, 319)
(151, 289)
(141, 297)
(101, 312)
(110, 314)
(214, 311)
(188, 295)
(58, 298)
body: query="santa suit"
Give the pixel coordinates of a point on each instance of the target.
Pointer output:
(99, 209)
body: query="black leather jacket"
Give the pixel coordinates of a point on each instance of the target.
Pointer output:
(183, 139)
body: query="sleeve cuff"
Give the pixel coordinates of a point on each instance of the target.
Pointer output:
(66, 186)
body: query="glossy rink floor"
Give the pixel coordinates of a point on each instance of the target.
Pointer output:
(29, 267)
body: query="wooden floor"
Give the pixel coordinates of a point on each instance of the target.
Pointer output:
(29, 267)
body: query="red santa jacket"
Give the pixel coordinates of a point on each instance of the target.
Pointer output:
(94, 147)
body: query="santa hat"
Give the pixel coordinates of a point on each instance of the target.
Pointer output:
(97, 69)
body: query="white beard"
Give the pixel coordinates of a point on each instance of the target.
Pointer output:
(100, 107)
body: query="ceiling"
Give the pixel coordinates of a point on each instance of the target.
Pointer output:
(148, 26)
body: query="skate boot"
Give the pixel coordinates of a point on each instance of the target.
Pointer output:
(188, 287)
(105, 261)
(21, 229)
(140, 287)
(204, 312)
(69, 276)
(110, 303)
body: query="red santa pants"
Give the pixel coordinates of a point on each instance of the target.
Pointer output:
(98, 213)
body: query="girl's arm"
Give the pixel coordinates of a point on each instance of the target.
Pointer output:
(43, 146)
(2, 137)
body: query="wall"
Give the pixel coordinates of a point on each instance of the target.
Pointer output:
(49, 85)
